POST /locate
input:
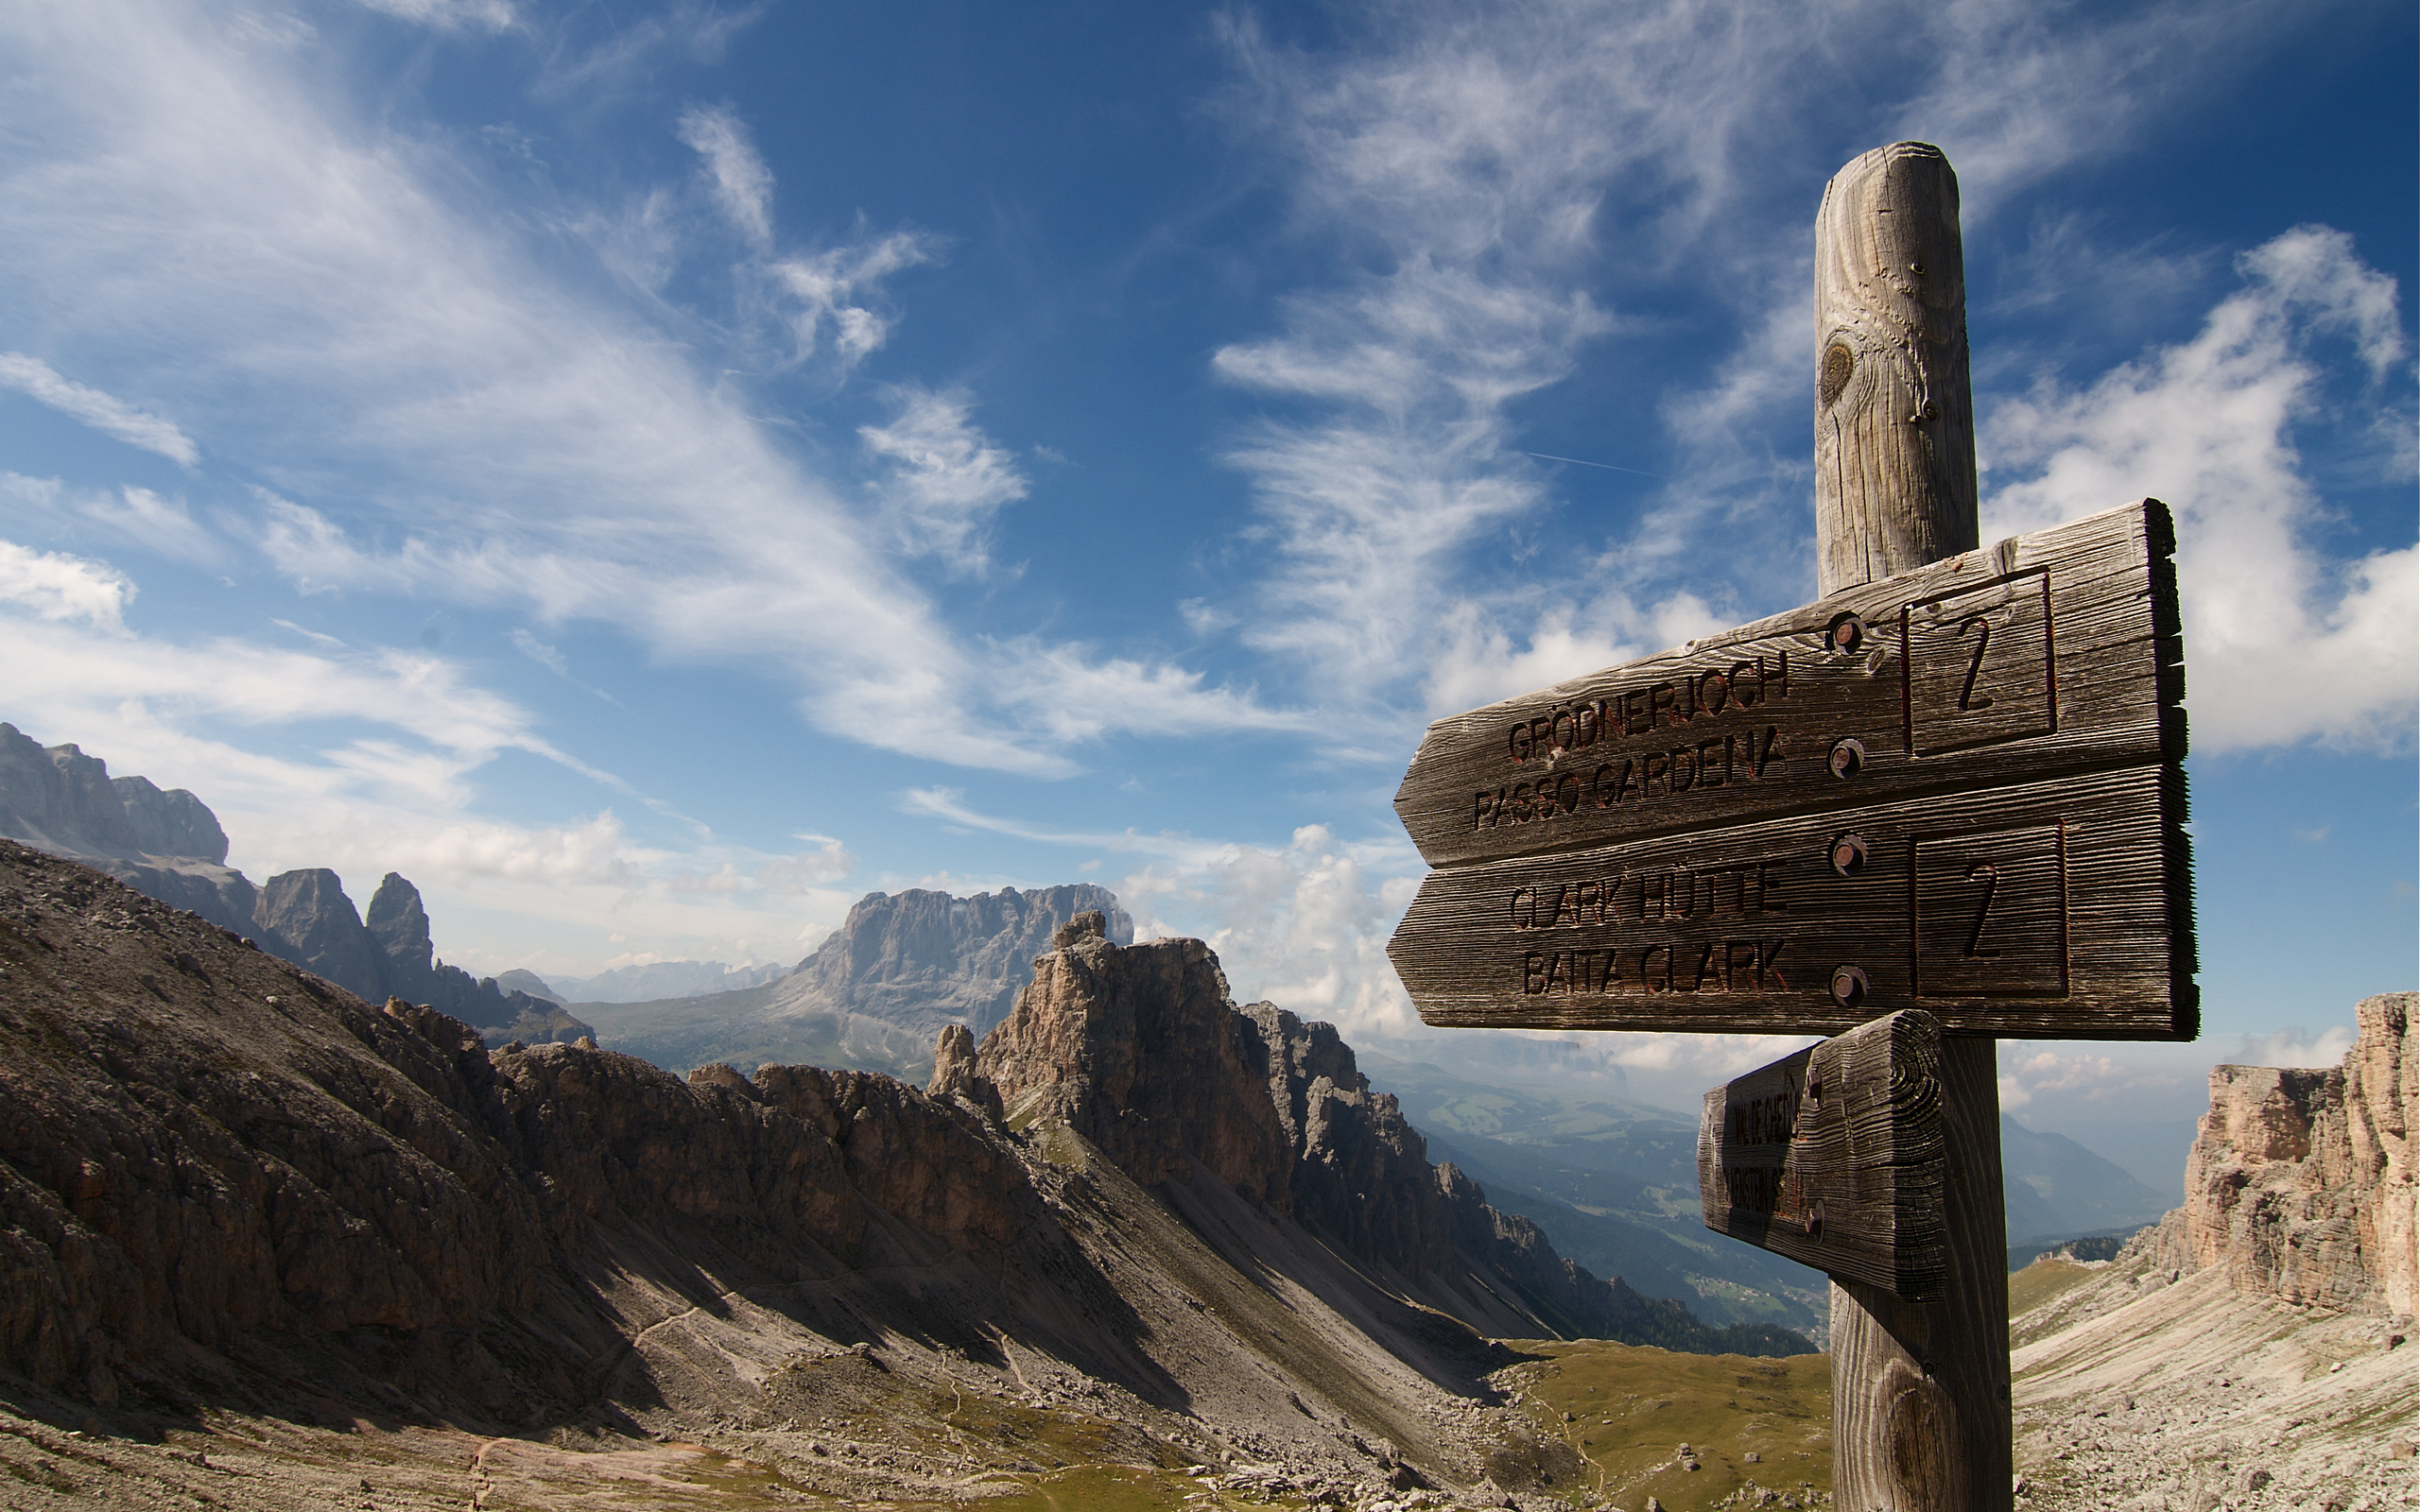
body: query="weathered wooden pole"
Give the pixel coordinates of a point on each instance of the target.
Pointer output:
(1920, 1392)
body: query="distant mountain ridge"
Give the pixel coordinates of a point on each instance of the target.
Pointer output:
(651, 983)
(2056, 1189)
(169, 846)
(901, 968)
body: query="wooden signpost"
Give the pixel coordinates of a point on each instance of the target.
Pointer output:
(1940, 804)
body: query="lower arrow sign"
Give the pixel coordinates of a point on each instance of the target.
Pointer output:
(1834, 1157)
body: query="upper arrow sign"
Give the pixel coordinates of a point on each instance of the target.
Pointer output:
(2047, 654)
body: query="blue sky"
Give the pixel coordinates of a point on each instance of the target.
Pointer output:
(654, 473)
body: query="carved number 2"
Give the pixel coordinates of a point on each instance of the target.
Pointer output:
(1989, 876)
(1966, 700)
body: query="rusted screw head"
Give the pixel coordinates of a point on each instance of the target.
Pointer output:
(1848, 855)
(1847, 633)
(1848, 757)
(1849, 985)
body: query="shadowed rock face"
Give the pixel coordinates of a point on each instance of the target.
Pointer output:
(1140, 1050)
(310, 916)
(2301, 1182)
(170, 824)
(1136, 1049)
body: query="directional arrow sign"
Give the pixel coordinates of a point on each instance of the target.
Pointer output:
(1834, 1157)
(1956, 789)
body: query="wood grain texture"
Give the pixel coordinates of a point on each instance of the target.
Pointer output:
(1920, 1391)
(1833, 1156)
(2050, 652)
(2046, 910)
(1894, 422)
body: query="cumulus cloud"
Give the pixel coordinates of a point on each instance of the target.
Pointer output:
(2281, 644)
(2295, 1047)
(943, 479)
(35, 378)
(53, 586)
(2091, 1077)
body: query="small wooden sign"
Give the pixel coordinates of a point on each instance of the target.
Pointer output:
(1835, 1157)
(1970, 804)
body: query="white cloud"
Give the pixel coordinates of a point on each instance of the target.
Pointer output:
(397, 790)
(1496, 180)
(504, 440)
(2295, 1047)
(834, 290)
(446, 15)
(741, 184)
(53, 586)
(162, 527)
(2281, 644)
(539, 652)
(34, 378)
(944, 480)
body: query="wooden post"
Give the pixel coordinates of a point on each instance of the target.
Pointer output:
(1920, 1392)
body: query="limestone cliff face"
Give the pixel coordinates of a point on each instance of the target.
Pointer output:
(166, 845)
(2301, 1182)
(1136, 1048)
(1140, 1050)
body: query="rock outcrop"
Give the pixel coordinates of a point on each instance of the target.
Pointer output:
(1140, 1050)
(166, 845)
(169, 846)
(2300, 1185)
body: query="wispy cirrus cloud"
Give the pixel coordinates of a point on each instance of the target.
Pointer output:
(943, 479)
(741, 184)
(448, 16)
(114, 417)
(338, 312)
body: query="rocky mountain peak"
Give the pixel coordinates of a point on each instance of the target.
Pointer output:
(1140, 1050)
(400, 925)
(1136, 1049)
(174, 823)
(920, 960)
(310, 915)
